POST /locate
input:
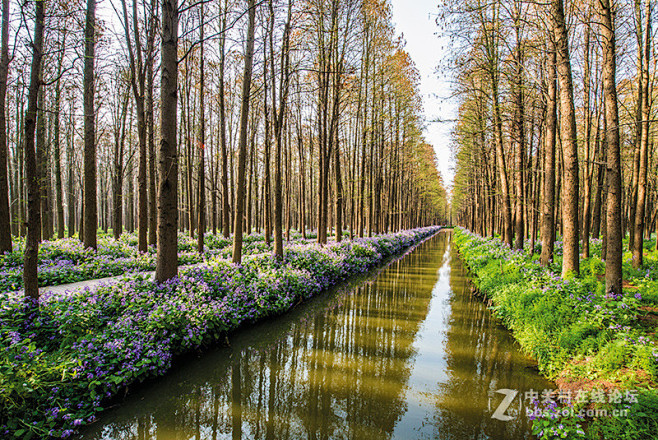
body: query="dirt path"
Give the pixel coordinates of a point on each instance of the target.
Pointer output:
(62, 289)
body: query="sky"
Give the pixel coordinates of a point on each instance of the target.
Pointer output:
(415, 20)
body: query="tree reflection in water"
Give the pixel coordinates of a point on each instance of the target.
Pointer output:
(405, 352)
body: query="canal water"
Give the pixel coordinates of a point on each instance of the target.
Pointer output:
(405, 352)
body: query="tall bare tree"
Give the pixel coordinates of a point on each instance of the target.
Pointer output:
(138, 83)
(548, 197)
(279, 114)
(90, 205)
(201, 176)
(242, 146)
(570, 194)
(167, 240)
(645, 112)
(56, 139)
(30, 276)
(5, 223)
(226, 213)
(613, 254)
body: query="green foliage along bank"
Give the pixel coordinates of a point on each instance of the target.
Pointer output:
(582, 338)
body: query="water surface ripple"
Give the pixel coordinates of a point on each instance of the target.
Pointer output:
(406, 352)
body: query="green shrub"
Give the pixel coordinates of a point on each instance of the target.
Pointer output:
(571, 326)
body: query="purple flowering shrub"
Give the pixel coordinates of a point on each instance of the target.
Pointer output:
(61, 361)
(552, 421)
(67, 261)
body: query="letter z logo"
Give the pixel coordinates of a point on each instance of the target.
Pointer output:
(507, 400)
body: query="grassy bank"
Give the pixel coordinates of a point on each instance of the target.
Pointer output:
(61, 361)
(583, 339)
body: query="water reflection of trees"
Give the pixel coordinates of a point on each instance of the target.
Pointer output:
(482, 357)
(337, 371)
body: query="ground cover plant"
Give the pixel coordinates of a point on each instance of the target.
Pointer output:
(68, 261)
(581, 337)
(62, 360)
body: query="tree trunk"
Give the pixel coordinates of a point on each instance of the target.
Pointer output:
(548, 199)
(70, 186)
(167, 239)
(570, 185)
(30, 276)
(266, 151)
(43, 167)
(117, 188)
(519, 140)
(613, 253)
(339, 190)
(588, 144)
(56, 144)
(91, 213)
(222, 130)
(279, 116)
(640, 211)
(201, 177)
(242, 146)
(150, 124)
(5, 225)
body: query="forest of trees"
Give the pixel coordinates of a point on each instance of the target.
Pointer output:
(159, 116)
(554, 136)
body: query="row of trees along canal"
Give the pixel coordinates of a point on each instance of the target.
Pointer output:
(272, 115)
(554, 126)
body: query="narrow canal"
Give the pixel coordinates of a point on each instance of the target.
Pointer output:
(406, 352)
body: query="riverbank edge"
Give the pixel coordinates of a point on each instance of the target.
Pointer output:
(598, 427)
(179, 360)
(365, 254)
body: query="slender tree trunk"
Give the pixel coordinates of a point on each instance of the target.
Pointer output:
(117, 190)
(519, 137)
(138, 83)
(570, 186)
(201, 177)
(266, 151)
(222, 130)
(548, 199)
(150, 124)
(613, 253)
(242, 146)
(640, 211)
(70, 186)
(5, 225)
(339, 191)
(91, 213)
(167, 239)
(43, 167)
(279, 116)
(56, 144)
(587, 134)
(30, 276)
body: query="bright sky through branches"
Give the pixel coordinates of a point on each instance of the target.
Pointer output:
(416, 21)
